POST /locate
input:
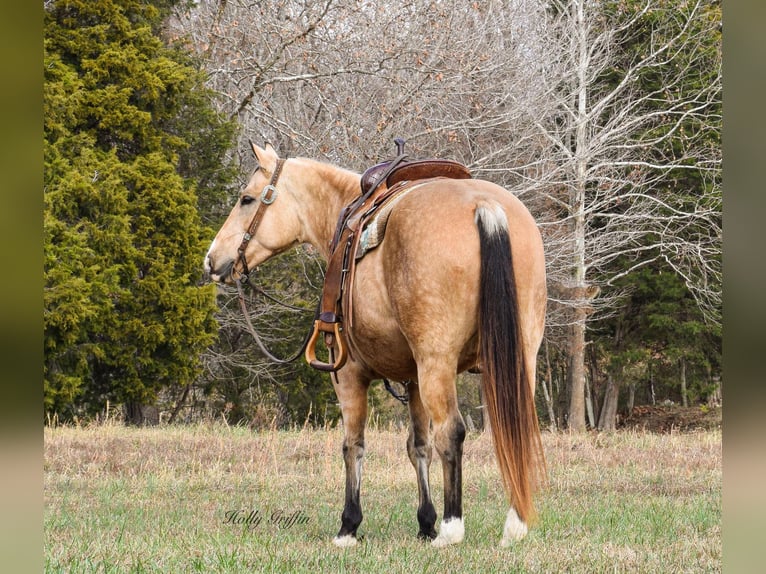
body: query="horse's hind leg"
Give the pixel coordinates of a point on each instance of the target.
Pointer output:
(419, 450)
(437, 390)
(352, 394)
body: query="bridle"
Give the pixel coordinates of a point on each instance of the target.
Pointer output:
(268, 195)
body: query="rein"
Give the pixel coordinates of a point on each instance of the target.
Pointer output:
(255, 335)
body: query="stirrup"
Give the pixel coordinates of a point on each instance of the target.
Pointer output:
(311, 356)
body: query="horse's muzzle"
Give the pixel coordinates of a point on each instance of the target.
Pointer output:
(218, 275)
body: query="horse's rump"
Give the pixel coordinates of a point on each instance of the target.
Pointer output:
(420, 286)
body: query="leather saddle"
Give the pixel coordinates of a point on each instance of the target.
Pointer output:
(381, 186)
(412, 171)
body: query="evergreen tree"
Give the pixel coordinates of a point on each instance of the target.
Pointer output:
(659, 343)
(131, 149)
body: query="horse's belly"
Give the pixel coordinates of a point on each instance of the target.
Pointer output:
(376, 338)
(437, 323)
(385, 356)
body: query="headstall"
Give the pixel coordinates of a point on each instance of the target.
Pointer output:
(268, 195)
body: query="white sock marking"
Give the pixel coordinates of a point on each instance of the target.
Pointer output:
(346, 541)
(514, 529)
(450, 532)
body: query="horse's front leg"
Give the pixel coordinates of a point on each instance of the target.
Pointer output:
(351, 390)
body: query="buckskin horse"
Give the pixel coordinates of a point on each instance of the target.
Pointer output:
(456, 283)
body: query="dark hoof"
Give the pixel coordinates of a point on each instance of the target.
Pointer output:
(427, 536)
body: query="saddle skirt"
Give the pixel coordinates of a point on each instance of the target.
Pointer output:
(360, 229)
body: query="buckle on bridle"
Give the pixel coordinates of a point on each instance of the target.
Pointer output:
(269, 194)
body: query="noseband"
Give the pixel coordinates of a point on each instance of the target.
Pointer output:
(268, 195)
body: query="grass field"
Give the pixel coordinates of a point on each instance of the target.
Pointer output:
(157, 500)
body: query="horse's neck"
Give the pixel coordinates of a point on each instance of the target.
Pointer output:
(327, 190)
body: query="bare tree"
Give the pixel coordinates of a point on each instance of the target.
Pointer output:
(340, 79)
(547, 101)
(607, 170)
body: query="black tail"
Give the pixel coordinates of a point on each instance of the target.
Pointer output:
(508, 395)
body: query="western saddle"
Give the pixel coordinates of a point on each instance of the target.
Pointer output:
(361, 226)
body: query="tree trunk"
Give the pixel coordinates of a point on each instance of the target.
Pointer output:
(137, 414)
(684, 399)
(714, 398)
(562, 398)
(631, 396)
(179, 404)
(548, 388)
(577, 211)
(576, 422)
(608, 419)
(589, 403)
(592, 384)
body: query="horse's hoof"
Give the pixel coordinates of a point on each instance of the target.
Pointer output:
(427, 536)
(346, 541)
(515, 529)
(450, 532)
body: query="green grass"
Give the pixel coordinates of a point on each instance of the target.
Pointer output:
(155, 500)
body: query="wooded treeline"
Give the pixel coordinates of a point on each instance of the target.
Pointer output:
(603, 116)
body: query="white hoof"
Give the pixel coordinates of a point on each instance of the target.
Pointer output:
(514, 529)
(346, 541)
(450, 532)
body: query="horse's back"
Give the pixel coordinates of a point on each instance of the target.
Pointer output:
(417, 294)
(441, 213)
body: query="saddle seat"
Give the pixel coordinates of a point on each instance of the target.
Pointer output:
(412, 171)
(361, 228)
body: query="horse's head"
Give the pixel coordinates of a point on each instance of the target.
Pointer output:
(263, 222)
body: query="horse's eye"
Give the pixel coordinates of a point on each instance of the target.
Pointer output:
(246, 200)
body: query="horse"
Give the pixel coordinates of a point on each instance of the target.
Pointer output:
(458, 282)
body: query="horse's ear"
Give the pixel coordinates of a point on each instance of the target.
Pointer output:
(266, 156)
